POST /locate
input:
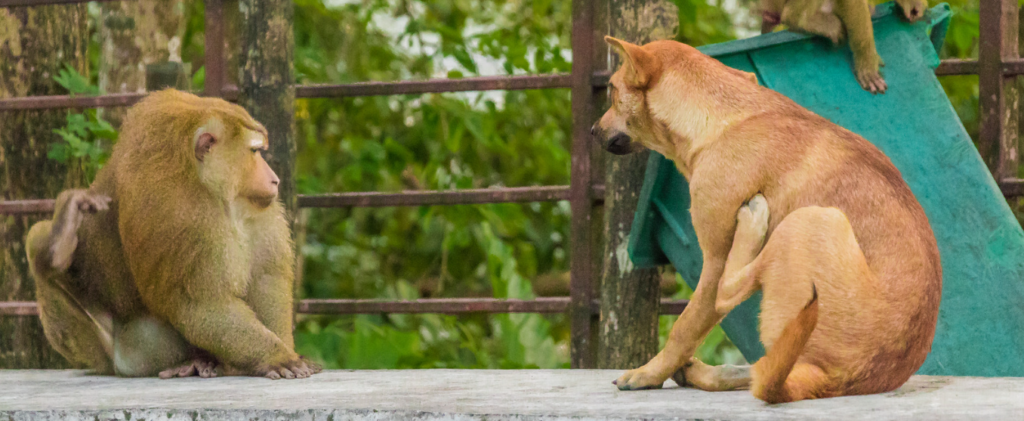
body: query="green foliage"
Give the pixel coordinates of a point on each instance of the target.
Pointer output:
(433, 142)
(86, 136)
(703, 22)
(74, 82)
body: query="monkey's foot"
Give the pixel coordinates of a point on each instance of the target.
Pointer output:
(869, 77)
(72, 205)
(312, 365)
(202, 366)
(299, 368)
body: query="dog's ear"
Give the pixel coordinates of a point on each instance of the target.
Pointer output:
(751, 76)
(746, 75)
(639, 65)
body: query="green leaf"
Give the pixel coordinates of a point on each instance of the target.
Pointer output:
(58, 152)
(465, 60)
(74, 82)
(199, 78)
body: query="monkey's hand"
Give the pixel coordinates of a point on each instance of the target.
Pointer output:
(72, 206)
(866, 69)
(297, 367)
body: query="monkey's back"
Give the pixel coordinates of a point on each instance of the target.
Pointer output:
(99, 268)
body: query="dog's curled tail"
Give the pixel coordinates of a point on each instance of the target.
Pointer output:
(771, 371)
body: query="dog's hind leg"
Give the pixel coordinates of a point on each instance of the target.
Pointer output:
(713, 378)
(811, 262)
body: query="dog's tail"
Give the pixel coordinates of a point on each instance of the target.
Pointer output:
(772, 370)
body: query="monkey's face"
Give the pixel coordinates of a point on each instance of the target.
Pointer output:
(231, 163)
(913, 10)
(627, 125)
(259, 181)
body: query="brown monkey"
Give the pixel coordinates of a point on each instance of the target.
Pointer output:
(190, 270)
(837, 20)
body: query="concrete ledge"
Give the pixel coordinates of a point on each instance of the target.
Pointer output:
(470, 395)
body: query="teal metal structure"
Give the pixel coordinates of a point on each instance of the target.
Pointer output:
(980, 330)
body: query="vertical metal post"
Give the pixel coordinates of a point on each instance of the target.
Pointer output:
(581, 264)
(997, 139)
(214, 41)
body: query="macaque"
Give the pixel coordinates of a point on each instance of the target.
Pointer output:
(177, 261)
(838, 20)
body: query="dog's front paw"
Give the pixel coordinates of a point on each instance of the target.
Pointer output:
(640, 379)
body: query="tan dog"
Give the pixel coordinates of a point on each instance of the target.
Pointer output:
(789, 203)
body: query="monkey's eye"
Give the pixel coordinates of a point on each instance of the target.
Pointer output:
(255, 150)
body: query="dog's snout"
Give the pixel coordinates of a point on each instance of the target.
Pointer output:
(619, 144)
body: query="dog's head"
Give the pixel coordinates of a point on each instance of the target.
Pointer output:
(663, 92)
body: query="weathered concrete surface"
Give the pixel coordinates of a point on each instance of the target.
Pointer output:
(471, 395)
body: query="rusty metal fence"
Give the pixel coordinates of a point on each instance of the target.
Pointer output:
(997, 64)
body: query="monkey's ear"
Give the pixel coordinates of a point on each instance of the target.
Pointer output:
(204, 142)
(640, 67)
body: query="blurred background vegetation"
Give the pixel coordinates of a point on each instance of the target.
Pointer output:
(448, 141)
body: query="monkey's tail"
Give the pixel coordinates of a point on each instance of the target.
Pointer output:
(772, 370)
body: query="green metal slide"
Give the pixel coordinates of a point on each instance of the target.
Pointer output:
(981, 320)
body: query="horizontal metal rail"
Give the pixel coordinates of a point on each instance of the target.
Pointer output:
(1013, 187)
(16, 3)
(26, 207)
(434, 305)
(19, 308)
(421, 198)
(1013, 67)
(376, 199)
(949, 67)
(543, 305)
(957, 67)
(486, 83)
(407, 87)
(1010, 188)
(64, 101)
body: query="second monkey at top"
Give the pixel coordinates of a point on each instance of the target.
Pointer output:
(838, 20)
